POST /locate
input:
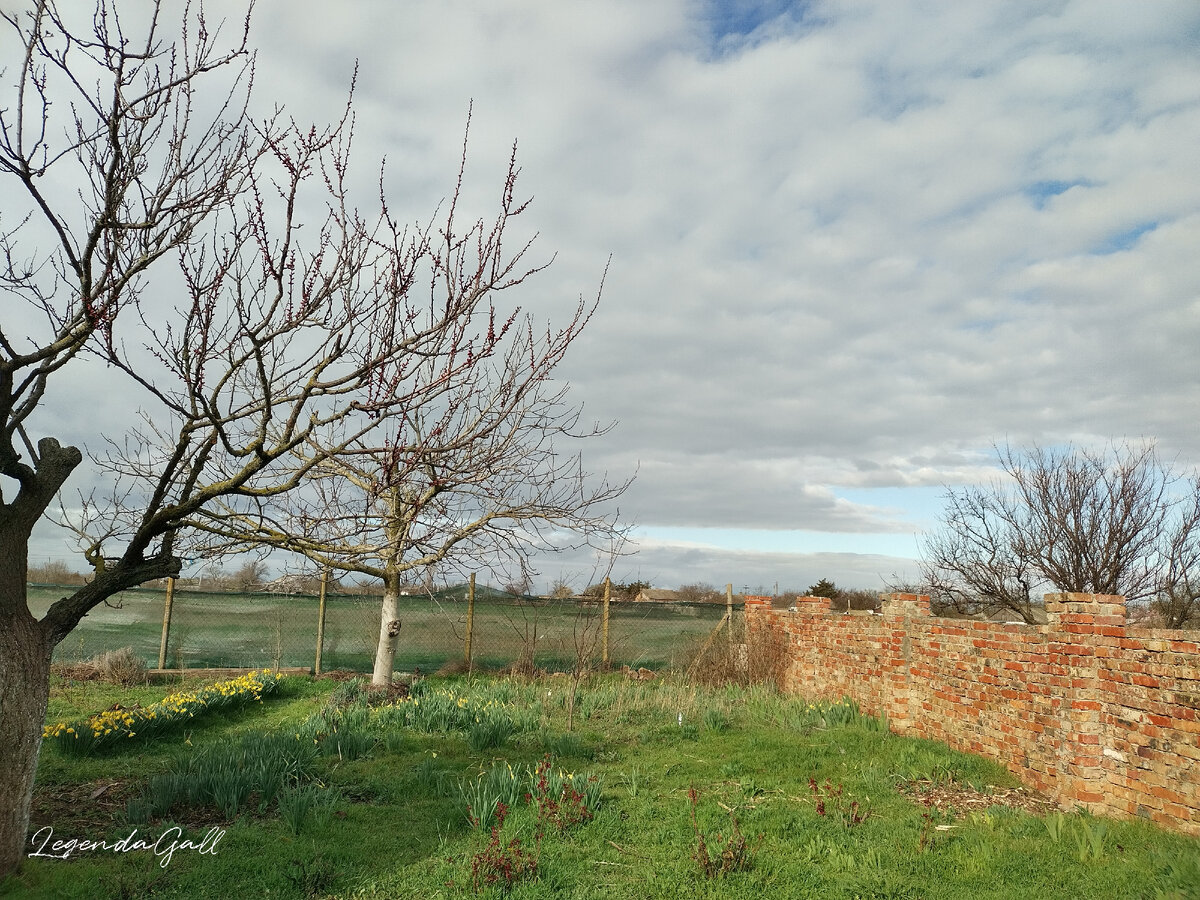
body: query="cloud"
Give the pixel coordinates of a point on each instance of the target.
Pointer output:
(669, 565)
(853, 243)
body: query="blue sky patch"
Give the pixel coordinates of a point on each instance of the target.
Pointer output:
(1040, 192)
(1124, 240)
(734, 20)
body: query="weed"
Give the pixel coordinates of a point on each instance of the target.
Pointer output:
(503, 865)
(633, 782)
(120, 667)
(983, 819)
(927, 836)
(569, 744)
(829, 801)
(325, 806)
(716, 721)
(311, 876)
(762, 659)
(826, 853)
(294, 807)
(735, 856)
(347, 692)
(428, 774)
(139, 811)
(732, 769)
(479, 800)
(558, 801)
(348, 744)
(945, 774)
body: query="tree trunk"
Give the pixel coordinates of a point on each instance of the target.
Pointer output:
(24, 689)
(389, 631)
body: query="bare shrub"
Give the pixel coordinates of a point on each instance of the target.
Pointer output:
(119, 667)
(54, 572)
(762, 659)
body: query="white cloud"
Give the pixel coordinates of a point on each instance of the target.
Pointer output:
(851, 248)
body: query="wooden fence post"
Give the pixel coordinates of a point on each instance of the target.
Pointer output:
(729, 609)
(604, 624)
(470, 620)
(166, 629)
(321, 622)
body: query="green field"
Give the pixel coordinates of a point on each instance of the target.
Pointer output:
(258, 629)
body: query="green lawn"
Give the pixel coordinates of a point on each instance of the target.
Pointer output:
(822, 798)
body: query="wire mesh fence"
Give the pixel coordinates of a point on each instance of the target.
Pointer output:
(244, 630)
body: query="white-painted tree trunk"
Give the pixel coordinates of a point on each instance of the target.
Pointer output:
(389, 632)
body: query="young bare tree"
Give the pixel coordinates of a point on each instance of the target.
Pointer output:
(472, 472)
(286, 333)
(1070, 520)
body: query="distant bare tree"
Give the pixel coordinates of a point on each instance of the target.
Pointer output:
(1177, 599)
(250, 575)
(1069, 520)
(700, 592)
(561, 590)
(55, 572)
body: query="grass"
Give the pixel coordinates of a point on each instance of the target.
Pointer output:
(778, 797)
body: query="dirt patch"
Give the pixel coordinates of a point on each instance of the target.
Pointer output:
(75, 808)
(961, 798)
(386, 694)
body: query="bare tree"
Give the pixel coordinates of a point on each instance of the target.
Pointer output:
(1177, 600)
(286, 334)
(561, 589)
(1070, 520)
(971, 564)
(469, 470)
(250, 575)
(700, 592)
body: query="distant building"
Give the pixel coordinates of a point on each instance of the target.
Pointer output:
(656, 595)
(287, 584)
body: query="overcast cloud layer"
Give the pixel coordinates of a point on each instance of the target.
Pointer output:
(853, 244)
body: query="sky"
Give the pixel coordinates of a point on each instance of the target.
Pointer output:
(850, 246)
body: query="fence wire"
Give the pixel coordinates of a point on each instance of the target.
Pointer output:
(244, 630)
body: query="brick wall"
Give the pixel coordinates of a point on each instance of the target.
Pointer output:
(1087, 709)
